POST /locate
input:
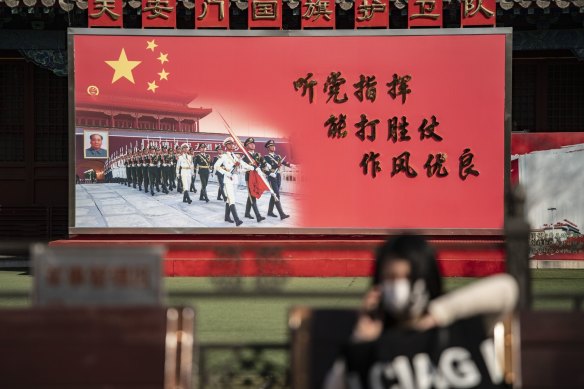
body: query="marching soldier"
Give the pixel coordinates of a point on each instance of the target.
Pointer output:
(171, 170)
(153, 170)
(165, 164)
(134, 178)
(229, 165)
(192, 188)
(138, 169)
(258, 161)
(202, 162)
(272, 168)
(220, 192)
(159, 171)
(127, 165)
(134, 169)
(145, 167)
(184, 171)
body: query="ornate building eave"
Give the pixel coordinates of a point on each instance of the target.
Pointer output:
(69, 5)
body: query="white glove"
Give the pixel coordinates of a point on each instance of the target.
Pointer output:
(258, 169)
(273, 175)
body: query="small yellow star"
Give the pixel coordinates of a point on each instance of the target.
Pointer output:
(163, 75)
(151, 45)
(123, 67)
(152, 86)
(163, 58)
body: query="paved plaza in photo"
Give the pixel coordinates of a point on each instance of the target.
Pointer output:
(116, 205)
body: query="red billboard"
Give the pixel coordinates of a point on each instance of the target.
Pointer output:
(372, 131)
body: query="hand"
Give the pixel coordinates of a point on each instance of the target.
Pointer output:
(371, 300)
(369, 328)
(257, 169)
(425, 323)
(273, 175)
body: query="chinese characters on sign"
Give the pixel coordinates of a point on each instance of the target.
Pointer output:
(334, 90)
(159, 13)
(313, 13)
(425, 13)
(105, 13)
(212, 13)
(318, 14)
(97, 276)
(371, 13)
(264, 14)
(365, 89)
(477, 13)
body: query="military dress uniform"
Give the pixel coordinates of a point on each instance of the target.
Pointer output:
(127, 165)
(171, 170)
(159, 172)
(256, 160)
(229, 164)
(202, 163)
(272, 165)
(145, 167)
(152, 170)
(220, 192)
(184, 172)
(192, 187)
(134, 170)
(165, 163)
(138, 170)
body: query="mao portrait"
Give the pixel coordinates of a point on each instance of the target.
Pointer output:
(95, 144)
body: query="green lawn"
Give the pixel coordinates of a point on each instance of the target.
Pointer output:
(260, 319)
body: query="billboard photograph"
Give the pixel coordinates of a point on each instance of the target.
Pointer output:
(548, 167)
(208, 132)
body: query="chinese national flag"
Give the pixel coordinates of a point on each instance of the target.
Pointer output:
(257, 186)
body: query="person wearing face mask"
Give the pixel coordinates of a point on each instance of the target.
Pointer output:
(406, 309)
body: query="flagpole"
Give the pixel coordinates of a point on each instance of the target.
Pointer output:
(238, 142)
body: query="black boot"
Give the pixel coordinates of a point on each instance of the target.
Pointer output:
(152, 189)
(257, 212)
(186, 195)
(235, 217)
(281, 211)
(271, 208)
(248, 209)
(227, 212)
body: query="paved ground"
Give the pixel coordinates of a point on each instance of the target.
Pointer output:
(116, 205)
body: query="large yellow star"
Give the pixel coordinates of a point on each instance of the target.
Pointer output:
(151, 45)
(163, 75)
(123, 67)
(152, 86)
(163, 58)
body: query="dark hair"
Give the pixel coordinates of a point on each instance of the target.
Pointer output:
(421, 256)
(92, 135)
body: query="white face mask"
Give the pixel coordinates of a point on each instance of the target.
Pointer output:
(396, 295)
(400, 298)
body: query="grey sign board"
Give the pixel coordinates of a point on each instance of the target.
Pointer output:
(111, 276)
